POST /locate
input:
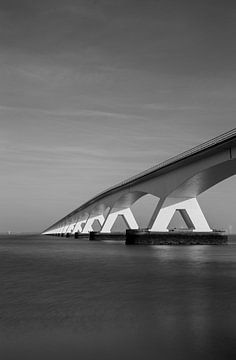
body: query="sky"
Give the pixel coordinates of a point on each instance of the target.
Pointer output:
(93, 92)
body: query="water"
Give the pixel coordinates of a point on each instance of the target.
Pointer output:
(74, 299)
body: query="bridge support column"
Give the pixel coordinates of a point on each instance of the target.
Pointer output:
(88, 226)
(60, 230)
(63, 230)
(189, 210)
(78, 226)
(66, 230)
(112, 216)
(70, 228)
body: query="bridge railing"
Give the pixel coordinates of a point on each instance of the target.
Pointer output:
(193, 151)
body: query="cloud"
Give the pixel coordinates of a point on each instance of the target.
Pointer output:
(95, 91)
(170, 107)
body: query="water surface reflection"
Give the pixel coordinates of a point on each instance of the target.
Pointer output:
(64, 298)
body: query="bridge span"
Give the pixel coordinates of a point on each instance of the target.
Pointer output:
(176, 183)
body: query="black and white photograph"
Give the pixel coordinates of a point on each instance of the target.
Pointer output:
(117, 179)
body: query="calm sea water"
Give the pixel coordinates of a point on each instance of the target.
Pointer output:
(74, 299)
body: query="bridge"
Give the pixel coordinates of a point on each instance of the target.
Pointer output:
(176, 183)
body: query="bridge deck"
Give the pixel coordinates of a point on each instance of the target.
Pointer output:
(173, 160)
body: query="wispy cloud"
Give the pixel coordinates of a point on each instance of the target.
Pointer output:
(170, 107)
(95, 91)
(73, 112)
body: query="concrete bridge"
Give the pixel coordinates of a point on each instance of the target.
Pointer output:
(176, 183)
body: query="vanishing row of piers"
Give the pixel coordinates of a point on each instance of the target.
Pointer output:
(145, 237)
(176, 183)
(188, 209)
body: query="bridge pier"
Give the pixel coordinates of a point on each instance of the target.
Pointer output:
(70, 228)
(189, 209)
(126, 214)
(88, 226)
(78, 226)
(146, 237)
(63, 229)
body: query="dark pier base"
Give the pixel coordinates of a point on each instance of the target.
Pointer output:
(81, 236)
(97, 236)
(145, 237)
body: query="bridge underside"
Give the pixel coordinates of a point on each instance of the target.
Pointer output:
(176, 190)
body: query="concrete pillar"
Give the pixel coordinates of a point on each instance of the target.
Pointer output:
(88, 226)
(66, 228)
(112, 216)
(78, 226)
(70, 228)
(63, 229)
(188, 208)
(60, 229)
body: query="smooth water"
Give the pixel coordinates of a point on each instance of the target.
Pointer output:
(75, 299)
